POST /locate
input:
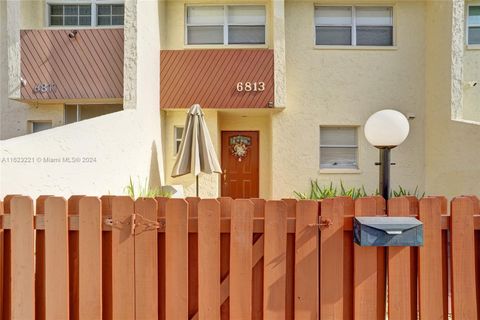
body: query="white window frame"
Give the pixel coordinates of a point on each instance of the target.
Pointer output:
(356, 147)
(353, 24)
(92, 3)
(176, 139)
(468, 25)
(226, 24)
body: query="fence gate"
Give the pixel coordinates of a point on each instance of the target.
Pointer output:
(115, 258)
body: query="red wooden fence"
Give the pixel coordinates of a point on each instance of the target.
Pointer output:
(115, 258)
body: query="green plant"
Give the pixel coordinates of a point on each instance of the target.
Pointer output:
(144, 190)
(401, 192)
(318, 192)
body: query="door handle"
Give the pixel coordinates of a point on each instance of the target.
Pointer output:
(224, 175)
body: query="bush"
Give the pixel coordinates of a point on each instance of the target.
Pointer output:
(144, 191)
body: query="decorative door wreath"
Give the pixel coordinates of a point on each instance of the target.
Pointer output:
(239, 146)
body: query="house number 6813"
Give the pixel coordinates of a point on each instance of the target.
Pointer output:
(250, 86)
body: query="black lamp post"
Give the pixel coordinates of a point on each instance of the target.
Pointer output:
(385, 130)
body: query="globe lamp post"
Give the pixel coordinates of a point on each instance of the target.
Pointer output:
(385, 130)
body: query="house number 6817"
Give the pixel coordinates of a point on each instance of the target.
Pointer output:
(250, 86)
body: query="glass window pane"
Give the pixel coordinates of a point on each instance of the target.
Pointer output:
(70, 114)
(246, 15)
(246, 34)
(88, 111)
(117, 20)
(40, 126)
(474, 15)
(375, 36)
(85, 10)
(71, 21)
(334, 136)
(205, 15)
(56, 9)
(333, 36)
(56, 21)
(104, 9)
(374, 16)
(205, 35)
(333, 16)
(342, 158)
(118, 9)
(104, 21)
(85, 20)
(474, 35)
(71, 10)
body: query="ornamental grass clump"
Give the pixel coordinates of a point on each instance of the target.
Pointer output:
(319, 192)
(144, 190)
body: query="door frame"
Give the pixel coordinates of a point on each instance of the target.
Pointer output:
(221, 157)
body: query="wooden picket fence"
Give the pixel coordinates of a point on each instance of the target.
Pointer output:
(115, 258)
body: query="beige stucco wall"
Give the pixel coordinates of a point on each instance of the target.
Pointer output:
(124, 144)
(471, 72)
(452, 147)
(343, 87)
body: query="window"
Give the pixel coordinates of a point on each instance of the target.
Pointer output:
(354, 26)
(88, 13)
(110, 15)
(70, 15)
(242, 24)
(338, 148)
(78, 112)
(37, 126)
(177, 137)
(473, 29)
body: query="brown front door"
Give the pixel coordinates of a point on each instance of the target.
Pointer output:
(240, 164)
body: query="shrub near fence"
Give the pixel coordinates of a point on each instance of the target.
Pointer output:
(115, 258)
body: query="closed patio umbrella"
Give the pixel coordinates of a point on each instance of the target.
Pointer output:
(196, 153)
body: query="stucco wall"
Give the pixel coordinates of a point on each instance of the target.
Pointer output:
(124, 144)
(452, 147)
(344, 87)
(471, 95)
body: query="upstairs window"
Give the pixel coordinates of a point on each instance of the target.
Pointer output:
(87, 13)
(354, 26)
(473, 29)
(338, 148)
(224, 25)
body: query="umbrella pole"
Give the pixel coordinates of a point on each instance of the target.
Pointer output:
(196, 183)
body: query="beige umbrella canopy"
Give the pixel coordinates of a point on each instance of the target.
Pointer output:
(196, 153)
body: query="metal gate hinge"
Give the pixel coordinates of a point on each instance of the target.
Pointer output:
(322, 223)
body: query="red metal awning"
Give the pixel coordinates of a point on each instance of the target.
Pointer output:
(87, 66)
(213, 77)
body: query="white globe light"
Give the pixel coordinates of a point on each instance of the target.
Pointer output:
(386, 128)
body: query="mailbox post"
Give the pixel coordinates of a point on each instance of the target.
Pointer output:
(385, 130)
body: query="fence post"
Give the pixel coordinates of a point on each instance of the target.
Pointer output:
(332, 257)
(464, 300)
(241, 239)
(306, 260)
(275, 260)
(209, 259)
(176, 259)
(22, 263)
(401, 294)
(56, 259)
(146, 260)
(369, 268)
(430, 260)
(123, 260)
(161, 209)
(90, 258)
